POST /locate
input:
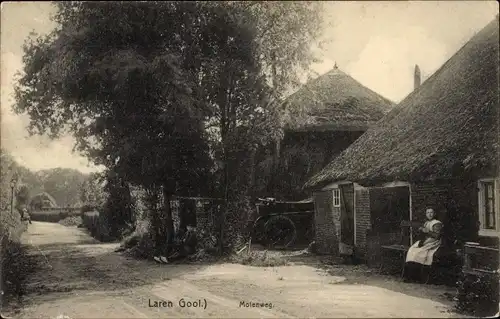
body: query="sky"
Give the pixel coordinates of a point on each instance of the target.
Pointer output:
(377, 43)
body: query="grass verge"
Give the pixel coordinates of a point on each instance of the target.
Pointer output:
(260, 259)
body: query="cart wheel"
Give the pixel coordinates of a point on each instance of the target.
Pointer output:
(259, 231)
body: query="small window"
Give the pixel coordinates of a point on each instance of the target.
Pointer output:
(488, 198)
(336, 198)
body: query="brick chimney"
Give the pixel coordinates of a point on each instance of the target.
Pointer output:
(416, 78)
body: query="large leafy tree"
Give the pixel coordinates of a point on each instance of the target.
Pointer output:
(112, 75)
(9, 169)
(61, 183)
(135, 83)
(285, 33)
(144, 85)
(92, 191)
(25, 181)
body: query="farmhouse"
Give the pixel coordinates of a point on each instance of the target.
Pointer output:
(438, 148)
(322, 119)
(42, 200)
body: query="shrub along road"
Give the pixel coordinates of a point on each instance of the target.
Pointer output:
(77, 277)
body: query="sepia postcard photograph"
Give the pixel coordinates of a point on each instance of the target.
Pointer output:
(249, 159)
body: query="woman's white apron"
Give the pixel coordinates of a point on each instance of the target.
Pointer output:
(423, 255)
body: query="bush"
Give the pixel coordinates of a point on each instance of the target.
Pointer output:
(478, 295)
(71, 221)
(140, 243)
(11, 252)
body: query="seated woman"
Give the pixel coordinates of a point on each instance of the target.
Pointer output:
(420, 255)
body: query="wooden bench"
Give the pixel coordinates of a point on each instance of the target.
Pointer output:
(400, 248)
(446, 259)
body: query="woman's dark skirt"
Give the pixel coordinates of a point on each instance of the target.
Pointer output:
(415, 272)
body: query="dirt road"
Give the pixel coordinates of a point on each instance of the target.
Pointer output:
(78, 277)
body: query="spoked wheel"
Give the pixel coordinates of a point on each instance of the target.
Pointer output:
(259, 233)
(280, 232)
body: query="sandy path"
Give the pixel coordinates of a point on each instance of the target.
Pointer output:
(81, 278)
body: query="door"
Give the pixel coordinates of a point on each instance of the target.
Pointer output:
(347, 214)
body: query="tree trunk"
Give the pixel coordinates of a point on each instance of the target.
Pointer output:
(274, 189)
(128, 217)
(253, 153)
(275, 165)
(168, 223)
(222, 217)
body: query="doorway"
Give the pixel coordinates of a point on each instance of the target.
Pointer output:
(347, 216)
(388, 207)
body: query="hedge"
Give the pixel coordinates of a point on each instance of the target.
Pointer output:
(11, 229)
(52, 216)
(97, 225)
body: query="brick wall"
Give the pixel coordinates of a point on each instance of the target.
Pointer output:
(363, 220)
(455, 204)
(327, 223)
(427, 195)
(207, 216)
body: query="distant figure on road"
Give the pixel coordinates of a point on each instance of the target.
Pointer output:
(25, 215)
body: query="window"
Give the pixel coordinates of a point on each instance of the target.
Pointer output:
(336, 197)
(488, 204)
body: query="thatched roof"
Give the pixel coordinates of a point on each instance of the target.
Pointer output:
(446, 128)
(46, 196)
(334, 101)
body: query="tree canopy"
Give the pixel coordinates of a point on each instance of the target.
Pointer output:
(166, 93)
